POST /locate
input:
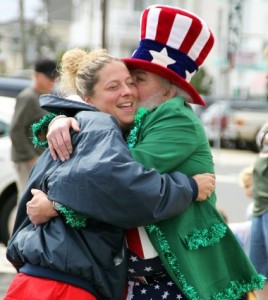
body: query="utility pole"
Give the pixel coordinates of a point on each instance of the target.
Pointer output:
(104, 16)
(234, 38)
(22, 33)
(266, 77)
(235, 27)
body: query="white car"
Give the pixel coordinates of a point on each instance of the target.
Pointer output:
(235, 122)
(8, 177)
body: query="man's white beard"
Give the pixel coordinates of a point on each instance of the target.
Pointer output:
(152, 101)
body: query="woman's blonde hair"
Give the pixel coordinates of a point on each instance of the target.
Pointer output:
(79, 70)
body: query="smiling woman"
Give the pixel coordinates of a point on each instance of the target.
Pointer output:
(113, 92)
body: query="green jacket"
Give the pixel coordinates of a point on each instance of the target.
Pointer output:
(197, 248)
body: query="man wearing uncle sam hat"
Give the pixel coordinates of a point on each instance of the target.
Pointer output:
(194, 255)
(174, 44)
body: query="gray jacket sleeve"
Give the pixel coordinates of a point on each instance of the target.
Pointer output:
(102, 181)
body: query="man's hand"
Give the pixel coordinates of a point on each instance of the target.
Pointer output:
(59, 138)
(206, 185)
(40, 209)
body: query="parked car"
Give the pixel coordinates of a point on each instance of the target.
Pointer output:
(8, 177)
(199, 109)
(248, 122)
(11, 86)
(235, 122)
(215, 120)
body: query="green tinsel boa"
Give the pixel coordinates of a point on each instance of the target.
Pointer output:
(206, 237)
(134, 132)
(39, 129)
(74, 219)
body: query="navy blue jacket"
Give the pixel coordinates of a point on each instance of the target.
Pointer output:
(101, 181)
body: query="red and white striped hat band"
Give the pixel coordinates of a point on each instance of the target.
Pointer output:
(174, 43)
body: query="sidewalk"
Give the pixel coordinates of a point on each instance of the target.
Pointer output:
(7, 271)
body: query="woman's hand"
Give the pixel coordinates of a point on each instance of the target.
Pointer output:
(206, 185)
(59, 138)
(40, 209)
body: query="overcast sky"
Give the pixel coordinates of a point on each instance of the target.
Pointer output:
(10, 9)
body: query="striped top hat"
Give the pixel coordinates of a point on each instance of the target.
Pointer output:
(173, 44)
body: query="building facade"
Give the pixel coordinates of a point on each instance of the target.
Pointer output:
(237, 62)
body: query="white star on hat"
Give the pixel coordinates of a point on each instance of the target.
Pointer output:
(161, 58)
(189, 75)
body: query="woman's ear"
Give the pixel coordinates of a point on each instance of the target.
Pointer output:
(87, 99)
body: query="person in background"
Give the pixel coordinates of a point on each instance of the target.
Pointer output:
(242, 230)
(68, 259)
(27, 111)
(259, 228)
(191, 255)
(245, 181)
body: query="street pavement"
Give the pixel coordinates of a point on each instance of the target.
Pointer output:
(231, 198)
(228, 164)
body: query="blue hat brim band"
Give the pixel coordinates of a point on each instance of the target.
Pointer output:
(152, 51)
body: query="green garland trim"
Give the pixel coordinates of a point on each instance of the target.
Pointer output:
(235, 290)
(133, 134)
(239, 288)
(74, 219)
(205, 237)
(172, 260)
(40, 127)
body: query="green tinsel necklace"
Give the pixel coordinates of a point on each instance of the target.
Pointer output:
(134, 132)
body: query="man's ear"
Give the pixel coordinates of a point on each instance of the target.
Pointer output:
(169, 92)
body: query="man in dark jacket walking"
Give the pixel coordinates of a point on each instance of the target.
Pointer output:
(28, 111)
